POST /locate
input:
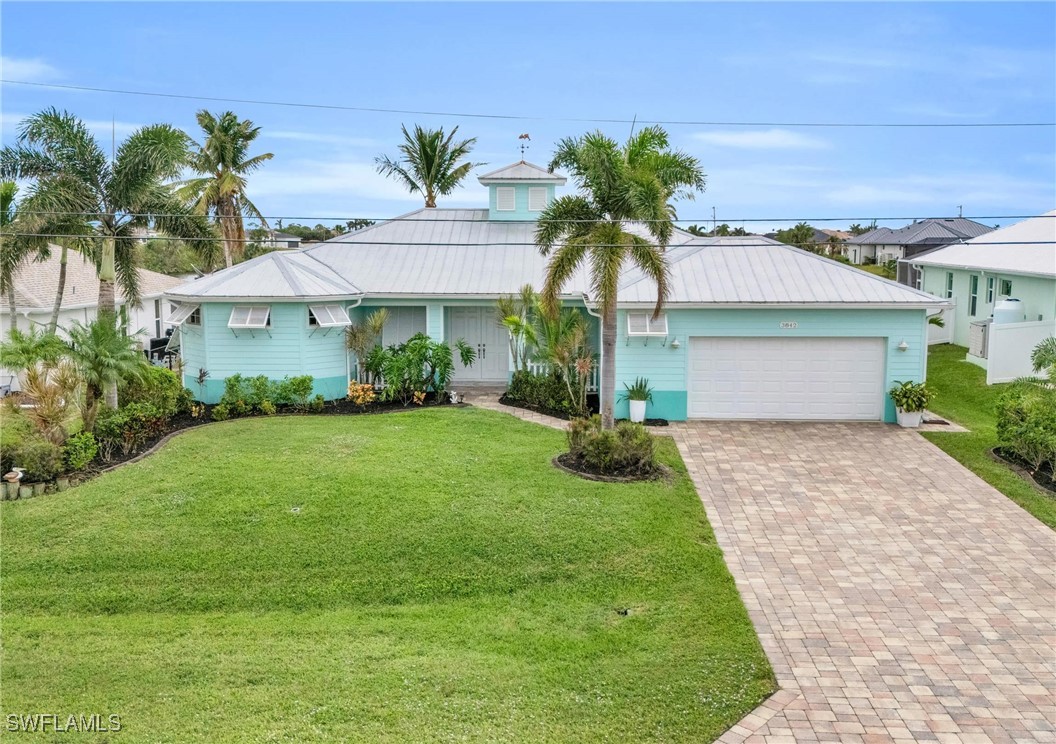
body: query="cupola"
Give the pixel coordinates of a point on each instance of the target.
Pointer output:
(520, 191)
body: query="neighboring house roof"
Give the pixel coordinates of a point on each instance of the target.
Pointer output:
(275, 235)
(932, 230)
(460, 253)
(1027, 247)
(521, 172)
(280, 275)
(838, 234)
(36, 283)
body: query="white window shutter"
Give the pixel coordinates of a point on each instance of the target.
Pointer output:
(637, 324)
(536, 198)
(505, 198)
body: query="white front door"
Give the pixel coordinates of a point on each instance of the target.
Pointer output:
(478, 328)
(797, 379)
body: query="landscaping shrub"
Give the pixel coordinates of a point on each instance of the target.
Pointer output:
(1026, 425)
(361, 394)
(221, 412)
(419, 366)
(80, 450)
(159, 387)
(14, 429)
(318, 402)
(41, 459)
(245, 395)
(546, 391)
(127, 428)
(626, 450)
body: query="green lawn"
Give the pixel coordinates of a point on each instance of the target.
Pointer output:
(964, 397)
(874, 269)
(422, 576)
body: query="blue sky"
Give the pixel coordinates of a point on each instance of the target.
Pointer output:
(785, 62)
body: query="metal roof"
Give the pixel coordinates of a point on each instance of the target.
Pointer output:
(757, 270)
(521, 172)
(37, 282)
(929, 230)
(460, 253)
(1027, 247)
(276, 275)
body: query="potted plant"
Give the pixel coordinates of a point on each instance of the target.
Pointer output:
(910, 398)
(637, 396)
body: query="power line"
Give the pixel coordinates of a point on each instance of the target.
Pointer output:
(472, 244)
(515, 117)
(411, 218)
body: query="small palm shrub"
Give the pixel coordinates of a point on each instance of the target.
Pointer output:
(626, 450)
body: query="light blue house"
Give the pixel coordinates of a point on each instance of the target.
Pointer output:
(753, 329)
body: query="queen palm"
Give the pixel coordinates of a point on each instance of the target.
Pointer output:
(617, 185)
(223, 163)
(109, 198)
(103, 354)
(429, 162)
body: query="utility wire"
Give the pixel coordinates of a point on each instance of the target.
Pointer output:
(412, 218)
(513, 117)
(473, 244)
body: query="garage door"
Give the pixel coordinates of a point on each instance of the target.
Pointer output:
(798, 379)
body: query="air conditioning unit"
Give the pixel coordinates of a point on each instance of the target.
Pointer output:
(979, 337)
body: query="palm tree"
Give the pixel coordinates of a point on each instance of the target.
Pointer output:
(429, 162)
(12, 253)
(103, 354)
(109, 198)
(223, 163)
(635, 183)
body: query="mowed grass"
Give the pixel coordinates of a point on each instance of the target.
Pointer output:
(420, 576)
(963, 396)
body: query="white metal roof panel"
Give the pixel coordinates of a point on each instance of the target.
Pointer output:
(1027, 247)
(277, 275)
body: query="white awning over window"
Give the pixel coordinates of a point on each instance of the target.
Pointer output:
(180, 312)
(330, 316)
(249, 316)
(643, 324)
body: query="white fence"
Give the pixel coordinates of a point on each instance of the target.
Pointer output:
(943, 335)
(1009, 348)
(542, 368)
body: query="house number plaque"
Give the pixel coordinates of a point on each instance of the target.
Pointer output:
(788, 324)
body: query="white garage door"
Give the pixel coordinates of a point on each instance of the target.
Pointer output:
(798, 379)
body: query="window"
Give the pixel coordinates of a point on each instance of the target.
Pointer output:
(505, 198)
(250, 316)
(157, 318)
(1006, 288)
(189, 314)
(536, 198)
(949, 284)
(643, 324)
(327, 316)
(989, 290)
(973, 294)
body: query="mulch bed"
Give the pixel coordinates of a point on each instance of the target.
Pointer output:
(1044, 478)
(575, 466)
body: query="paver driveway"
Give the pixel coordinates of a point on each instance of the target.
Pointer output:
(898, 596)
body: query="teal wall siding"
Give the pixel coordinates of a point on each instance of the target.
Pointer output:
(521, 200)
(1038, 295)
(287, 349)
(667, 368)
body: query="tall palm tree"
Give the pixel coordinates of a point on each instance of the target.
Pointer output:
(617, 185)
(429, 162)
(223, 163)
(74, 180)
(12, 253)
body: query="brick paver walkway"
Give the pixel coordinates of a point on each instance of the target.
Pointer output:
(899, 597)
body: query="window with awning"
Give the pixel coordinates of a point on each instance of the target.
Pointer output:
(184, 312)
(250, 316)
(328, 316)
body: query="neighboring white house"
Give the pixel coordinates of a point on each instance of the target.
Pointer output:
(1003, 285)
(36, 285)
(886, 244)
(276, 239)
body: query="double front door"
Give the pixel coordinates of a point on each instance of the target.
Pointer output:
(478, 328)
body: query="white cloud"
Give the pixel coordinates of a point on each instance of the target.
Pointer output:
(31, 70)
(945, 191)
(768, 139)
(330, 139)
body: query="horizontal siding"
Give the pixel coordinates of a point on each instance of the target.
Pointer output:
(667, 368)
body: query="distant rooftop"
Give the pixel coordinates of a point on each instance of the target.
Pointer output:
(933, 231)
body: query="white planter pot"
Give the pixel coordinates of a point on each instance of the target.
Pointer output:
(637, 411)
(909, 419)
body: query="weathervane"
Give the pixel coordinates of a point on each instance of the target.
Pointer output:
(524, 145)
